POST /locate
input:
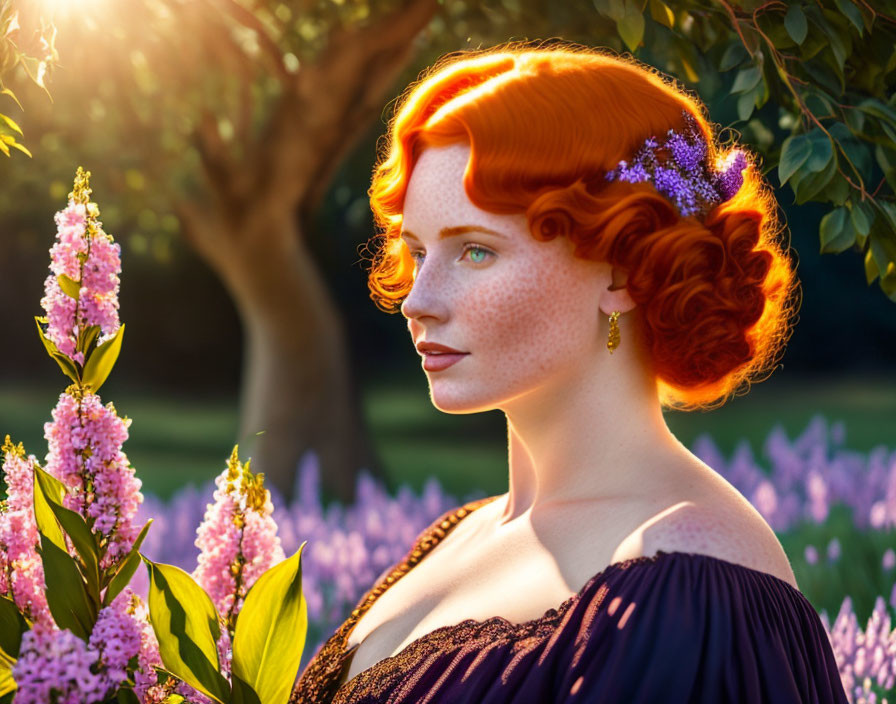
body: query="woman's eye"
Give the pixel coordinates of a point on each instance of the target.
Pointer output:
(477, 254)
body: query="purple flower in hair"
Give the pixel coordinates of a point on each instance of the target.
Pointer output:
(679, 170)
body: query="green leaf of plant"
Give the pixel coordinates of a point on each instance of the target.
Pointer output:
(7, 683)
(101, 361)
(631, 25)
(76, 528)
(9, 122)
(836, 231)
(661, 13)
(794, 153)
(861, 217)
(852, 13)
(870, 268)
(127, 568)
(12, 626)
(746, 80)
(70, 287)
(242, 692)
(270, 631)
(127, 696)
(822, 151)
(66, 364)
(795, 23)
(47, 523)
(735, 54)
(66, 592)
(807, 185)
(186, 626)
(87, 339)
(745, 105)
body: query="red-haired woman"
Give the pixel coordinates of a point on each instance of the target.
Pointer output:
(570, 244)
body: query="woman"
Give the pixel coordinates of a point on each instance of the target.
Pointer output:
(569, 243)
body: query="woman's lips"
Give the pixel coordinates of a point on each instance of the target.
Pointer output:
(438, 362)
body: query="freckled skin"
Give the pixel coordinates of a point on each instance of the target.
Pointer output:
(526, 313)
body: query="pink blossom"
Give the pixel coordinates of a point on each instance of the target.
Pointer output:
(20, 565)
(237, 539)
(86, 255)
(85, 439)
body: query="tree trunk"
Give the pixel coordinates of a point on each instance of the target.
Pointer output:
(298, 391)
(297, 387)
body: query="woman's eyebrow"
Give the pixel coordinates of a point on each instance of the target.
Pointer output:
(457, 230)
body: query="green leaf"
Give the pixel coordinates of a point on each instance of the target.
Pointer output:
(126, 568)
(661, 13)
(852, 13)
(747, 79)
(47, 524)
(822, 151)
(836, 232)
(242, 692)
(745, 105)
(98, 366)
(879, 109)
(66, 592)
(806, 185)
(631, 25)
(186, 626)
(794, 153)
(66, 364)
(870, 268)
(76, 528)
(7, 683)
(861, 217)
(796, 25)
(735, 54)
(12, 626)
(270, 631)
(87, 339)
(70, 287)
(11, 123)
(127, 696)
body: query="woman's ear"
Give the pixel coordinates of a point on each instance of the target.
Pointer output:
(616, 296)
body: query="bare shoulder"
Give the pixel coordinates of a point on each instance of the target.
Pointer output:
(721, 523)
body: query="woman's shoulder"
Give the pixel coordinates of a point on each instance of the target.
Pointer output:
(721, 524)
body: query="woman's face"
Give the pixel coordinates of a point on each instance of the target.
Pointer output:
(524, 312)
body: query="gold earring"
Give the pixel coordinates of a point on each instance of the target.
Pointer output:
(613, 342)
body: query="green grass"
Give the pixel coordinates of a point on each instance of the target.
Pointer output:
(174, 441)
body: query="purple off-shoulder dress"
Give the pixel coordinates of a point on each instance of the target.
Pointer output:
(668, 628)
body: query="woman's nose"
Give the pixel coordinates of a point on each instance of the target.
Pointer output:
(427, 296)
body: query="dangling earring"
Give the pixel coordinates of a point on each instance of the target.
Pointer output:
(613, 342)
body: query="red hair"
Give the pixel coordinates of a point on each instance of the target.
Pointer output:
(717, 294)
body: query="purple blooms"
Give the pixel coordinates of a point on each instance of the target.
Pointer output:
(57, 666)
(678, 169)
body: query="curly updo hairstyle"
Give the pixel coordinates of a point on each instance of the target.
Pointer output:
(717, 293)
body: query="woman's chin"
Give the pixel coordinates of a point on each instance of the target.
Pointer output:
(458, 402)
